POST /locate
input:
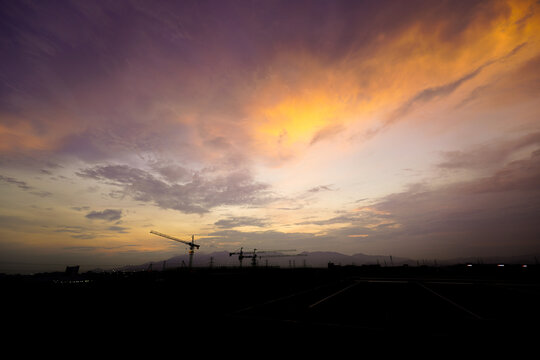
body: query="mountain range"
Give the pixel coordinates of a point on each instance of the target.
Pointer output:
(314, 259)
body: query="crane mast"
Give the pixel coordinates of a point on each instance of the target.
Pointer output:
(253, 255)
(191, 243)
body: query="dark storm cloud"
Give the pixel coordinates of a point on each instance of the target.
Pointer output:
(107, 215)
(196, 196)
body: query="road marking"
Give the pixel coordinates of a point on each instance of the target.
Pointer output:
(449, 283)
(280, 299)
(334, 294)
(450, 301)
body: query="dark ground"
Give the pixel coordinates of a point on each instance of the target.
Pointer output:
(260, 311)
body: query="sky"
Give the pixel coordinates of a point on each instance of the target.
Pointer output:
(404, 128)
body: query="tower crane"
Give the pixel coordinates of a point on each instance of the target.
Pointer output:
(241, 255)
(191, 243)
(253, 255)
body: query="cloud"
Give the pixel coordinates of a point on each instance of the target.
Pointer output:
(198, 196)
(429, 94)
(238, 221)
(80, 208)
(77, 88)
(494, 213)
(342, 219)
(279, 239)
(93, 248)
(515, 86)
(85, 236)
(520, 175)
(326, 133)
(118, 229)
(76, 232)
(41, 193)
(15, 222)
(24, 186)
(491, 214)
(20, 184)
(70, 229)
(367, 217)
(488, 155)
(107, 215)
(173, 172)
(321, 188)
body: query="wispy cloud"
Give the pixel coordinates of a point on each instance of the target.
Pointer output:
(107, 215)
(239, 221)
(321, 188)
(24, 186)
(199, 195)
(432, 93)
(488, 155)
(20, 184)
(118, 229)
(475, 215)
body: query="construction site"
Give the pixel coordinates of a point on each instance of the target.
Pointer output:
(252, 304)
(457, 305)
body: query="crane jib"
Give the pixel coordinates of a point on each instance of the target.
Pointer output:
(191, 244)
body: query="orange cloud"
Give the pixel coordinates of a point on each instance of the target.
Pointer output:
(303, 94)
(36, 130)
(20, 136)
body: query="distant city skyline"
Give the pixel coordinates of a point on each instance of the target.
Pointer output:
(408, 128)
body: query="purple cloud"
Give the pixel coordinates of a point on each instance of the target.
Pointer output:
(495, 213)
(488, 155)
(237, 221)
(199, 195)
(107, 215)
(24, 186)
(321, 188)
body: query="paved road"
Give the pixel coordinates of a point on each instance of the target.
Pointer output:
(408, 308)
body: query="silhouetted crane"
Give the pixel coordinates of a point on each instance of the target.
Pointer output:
(253, 255)
(191, 244)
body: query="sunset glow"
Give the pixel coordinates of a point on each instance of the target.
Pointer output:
(399, 127)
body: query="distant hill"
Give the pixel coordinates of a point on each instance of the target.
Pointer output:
(318, 259)
(304, 259)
